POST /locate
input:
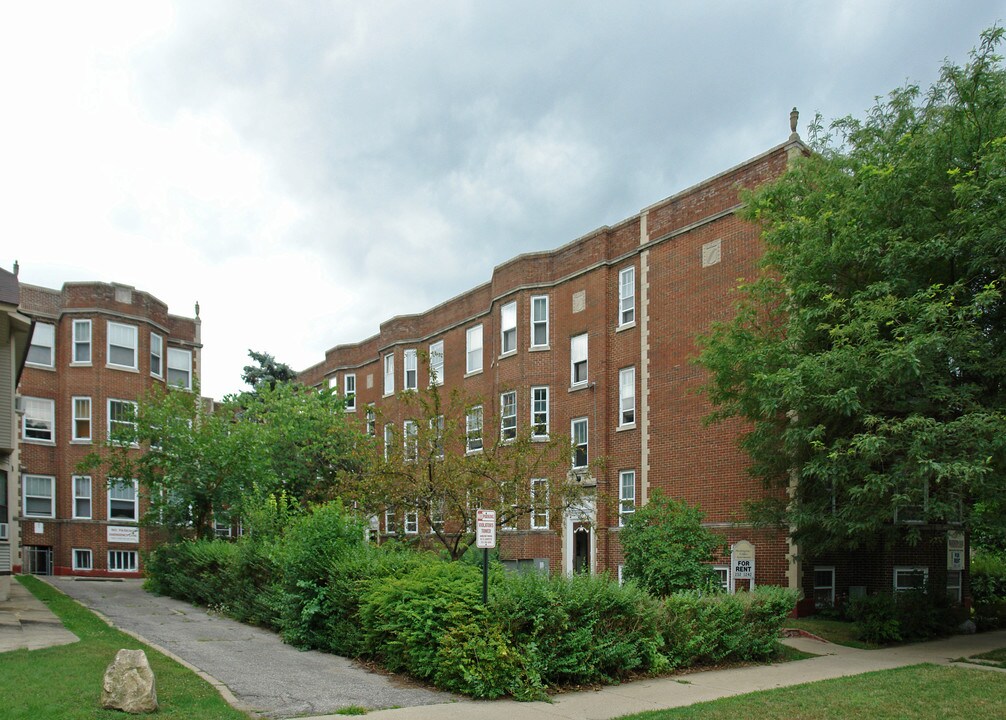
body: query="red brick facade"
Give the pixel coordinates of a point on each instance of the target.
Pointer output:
(686, 253)
(79, 363)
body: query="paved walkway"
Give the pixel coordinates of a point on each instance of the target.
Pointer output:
(265, 676)
(256, 672)
(27, 624)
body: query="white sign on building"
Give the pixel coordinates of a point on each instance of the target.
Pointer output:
(955, 551)
(124, 534)
(485, 529)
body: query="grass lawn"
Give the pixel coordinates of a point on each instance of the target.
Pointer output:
(64, 683)
(993, 658)
(918, 692)
(836, 631)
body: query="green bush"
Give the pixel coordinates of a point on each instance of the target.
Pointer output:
(479, 658)
(711, 628)
(877, 617)
(988, 578)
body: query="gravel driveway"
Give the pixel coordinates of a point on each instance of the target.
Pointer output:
(266, 676)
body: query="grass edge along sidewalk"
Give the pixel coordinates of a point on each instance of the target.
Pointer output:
(913, 692)
(64, 682)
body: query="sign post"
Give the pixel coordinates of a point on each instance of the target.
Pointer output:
(485, 538)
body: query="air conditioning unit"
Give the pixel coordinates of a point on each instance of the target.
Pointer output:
(3, 531)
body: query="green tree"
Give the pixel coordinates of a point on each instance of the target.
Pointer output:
(440, 470)
(869, 355)
(268, 371)
(666, 548)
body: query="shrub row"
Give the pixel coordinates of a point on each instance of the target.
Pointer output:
(988, 590)
(321, 586)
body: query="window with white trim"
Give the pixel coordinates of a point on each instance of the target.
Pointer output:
(539, 412)
(180, 368)
(824, 587)
(123, 500)
(578, 360)
(389, 374)
(508, 328)
(539, 321)
(349, 391)
(81, 342)
(389, 439)
(390, 525)
(722, 575)
(473, 350)
(122, 560)
(121, 345)
(371, 421)
(578, 430)
(39, 421)
(627, 296)
(626, 495)
(473, 428)
(81, 428)
(39, 492)
(411, 369)
(539, 504)
(82, 559)
(437, 363)
(122, 424)
(508, 415)
(41, 351)
(954, 585)
(913, 577)
(222, 528)
(156, 355)
(81, 497)
(437, 433)
(412, 522)
(411, 440)
(627, 396)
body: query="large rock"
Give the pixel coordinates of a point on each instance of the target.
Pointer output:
(129, 684)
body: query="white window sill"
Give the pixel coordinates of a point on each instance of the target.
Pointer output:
(123, 368)
(351, 409)
(81, 441)
(539, 438)
(40, 367)
(579, 386)
(472, 373)
(538, 348)
(629, 426)
(473, 452)
(627, 326)
(80, 364)
(508, 353)
(36, 441)
(157, 377)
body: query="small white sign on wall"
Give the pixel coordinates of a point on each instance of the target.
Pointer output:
(123, 534)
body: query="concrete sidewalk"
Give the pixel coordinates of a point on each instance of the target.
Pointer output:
(662, 693)
(27, 624)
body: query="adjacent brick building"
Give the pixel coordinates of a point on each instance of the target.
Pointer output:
(600, 334)
(95, 350)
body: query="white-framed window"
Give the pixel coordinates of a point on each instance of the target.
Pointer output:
(389, 374)
(627, 296)
(122, 421)
(39, 421)
(180, 368)
(39, 495)
(411, 369)
(222, 528)
(954, 585)
(508, 415)
(390, 525)
(578, 360)
(42, 350)
(121, 345)
(411, 440)
(539, 412)
(349, 391)
(914, 513)
(81, 342)
(81, 497)
(626, 495)
(578, 431)
(412, 522)
(473, 350)
(123, 501)
(539, 504)
(371, 421)
(437, 433)
(437, 363)
(627, 396)
(389, 439)
(913, 577)
(722, 575)
(508, 328)
(122, 560)
(156, 355)
(82, 559)
(824, 586)
(473, 428)
(539, 321)
(81, 428)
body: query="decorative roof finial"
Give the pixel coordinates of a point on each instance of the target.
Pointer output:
(197, 308)
(17, 268)
(794, 118)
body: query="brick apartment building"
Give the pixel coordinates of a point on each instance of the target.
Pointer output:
(95, 349)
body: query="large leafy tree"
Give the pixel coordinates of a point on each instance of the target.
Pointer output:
(869, 355)
(427, 471)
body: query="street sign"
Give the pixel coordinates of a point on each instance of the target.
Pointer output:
(485, 528)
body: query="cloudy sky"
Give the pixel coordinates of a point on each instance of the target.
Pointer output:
(308, 170)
